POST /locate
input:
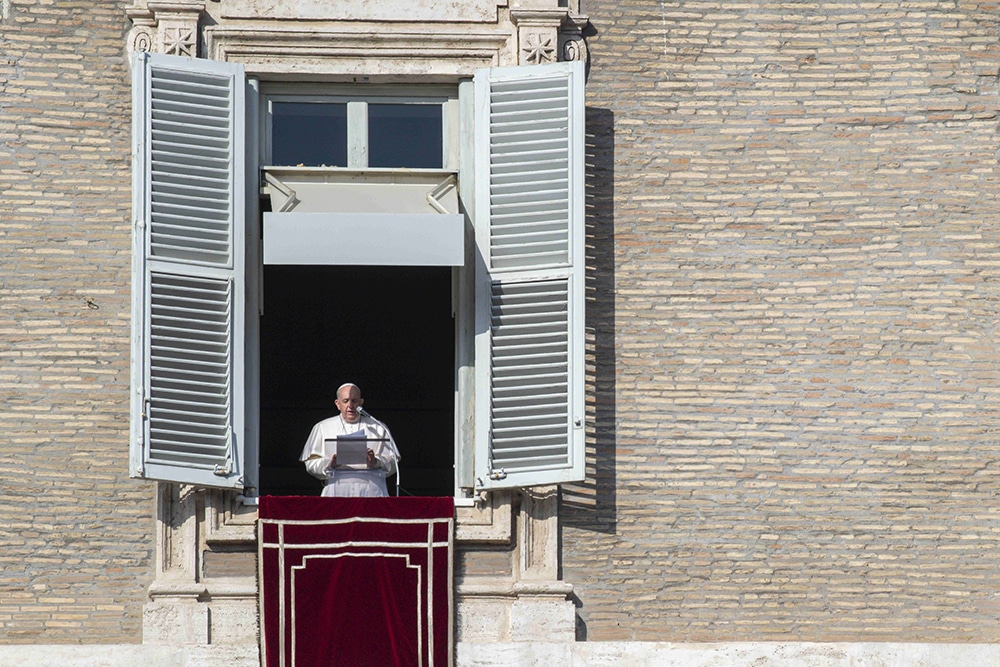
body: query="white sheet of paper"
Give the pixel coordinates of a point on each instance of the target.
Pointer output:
(351, 450)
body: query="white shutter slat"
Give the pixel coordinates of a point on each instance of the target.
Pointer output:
(188, 286)
(189, 187)
(525, 195)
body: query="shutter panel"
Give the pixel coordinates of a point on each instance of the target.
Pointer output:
(188, 271)
(530, 300)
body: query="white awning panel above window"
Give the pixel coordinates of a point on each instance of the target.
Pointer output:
(370, 239)
(321, 189)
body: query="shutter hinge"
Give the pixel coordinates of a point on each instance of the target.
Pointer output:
(223, 471)
(498, 474)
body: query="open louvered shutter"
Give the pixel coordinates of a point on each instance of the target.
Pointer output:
(187, 272)
(530, 301)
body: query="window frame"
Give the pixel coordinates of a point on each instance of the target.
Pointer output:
(463, 153)
(357, 98)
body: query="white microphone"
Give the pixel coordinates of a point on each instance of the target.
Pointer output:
(389, 442)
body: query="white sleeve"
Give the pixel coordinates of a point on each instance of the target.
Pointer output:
(386, 453)
(315, 458)
(317, 466)
(314, 444)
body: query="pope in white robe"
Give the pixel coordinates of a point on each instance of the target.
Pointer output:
(321, 460)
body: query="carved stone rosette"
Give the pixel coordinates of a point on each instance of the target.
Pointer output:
(546, 35)
(165, 27)
(537, 35)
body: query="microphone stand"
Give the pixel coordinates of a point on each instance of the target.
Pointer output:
(392, 445)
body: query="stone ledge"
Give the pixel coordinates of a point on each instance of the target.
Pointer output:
(564, 654)
(128, 655)
(735, 654)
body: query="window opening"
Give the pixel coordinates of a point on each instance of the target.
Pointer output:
(388, 329)
(503, 184)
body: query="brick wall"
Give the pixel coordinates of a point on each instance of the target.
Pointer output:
(794, 299)
(793, 302)
(75, 532)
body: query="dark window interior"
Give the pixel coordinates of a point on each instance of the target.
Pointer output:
(404, 135)
(310, 134)
(387, 329)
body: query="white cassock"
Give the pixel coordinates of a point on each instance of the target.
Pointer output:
(345, 482)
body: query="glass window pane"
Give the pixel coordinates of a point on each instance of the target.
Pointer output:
(404, 135)
(310, 134)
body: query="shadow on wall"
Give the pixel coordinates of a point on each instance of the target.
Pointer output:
(591, 504)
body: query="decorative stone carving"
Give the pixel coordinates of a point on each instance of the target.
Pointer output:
(572, 45)
(180, 40)
(185, 605)
(346, 53)
(539, 533)
(537, 34)
(541, 609)
(142, 36)
(488, 522)
(177, 520)
(165, 27)
(537, 48)
(547, 35)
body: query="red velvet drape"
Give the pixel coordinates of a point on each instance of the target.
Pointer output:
(356, 581)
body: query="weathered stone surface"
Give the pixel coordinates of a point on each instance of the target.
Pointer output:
(760, 654)
(362, 10)
(175, 623)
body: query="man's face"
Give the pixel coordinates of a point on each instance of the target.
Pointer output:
(348, 401)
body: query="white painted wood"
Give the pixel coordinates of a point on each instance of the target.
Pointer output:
(465, 297)
(357, 134)
(364, 239)
(357, 113)
(339, 190)
(188, 287)
(530, 300)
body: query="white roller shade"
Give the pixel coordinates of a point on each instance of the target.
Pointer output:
(188, 271)
(530, 302)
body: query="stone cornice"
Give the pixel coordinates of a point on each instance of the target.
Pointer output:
(538, 16)
(177, 6)
(359, 50)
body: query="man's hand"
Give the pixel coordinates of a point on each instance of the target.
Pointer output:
(333, 462)
(372, 461)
